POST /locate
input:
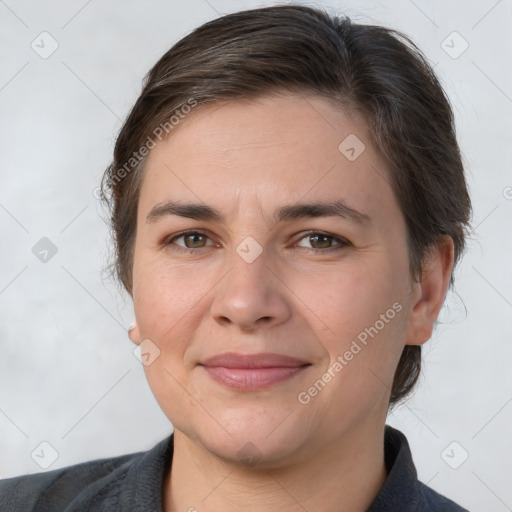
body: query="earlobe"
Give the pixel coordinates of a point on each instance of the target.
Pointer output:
(134, 334)
(430, 292)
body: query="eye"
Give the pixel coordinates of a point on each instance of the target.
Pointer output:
(194, 239)
(191, 239)
(324, 242)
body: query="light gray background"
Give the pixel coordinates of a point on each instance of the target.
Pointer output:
(68, 375)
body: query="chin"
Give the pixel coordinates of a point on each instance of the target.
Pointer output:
(255, 439)
(254, 453)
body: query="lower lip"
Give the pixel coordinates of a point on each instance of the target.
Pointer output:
(251, 379)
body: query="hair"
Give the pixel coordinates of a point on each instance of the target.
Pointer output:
(375, 71)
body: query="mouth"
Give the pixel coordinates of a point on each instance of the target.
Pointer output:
(246, 372)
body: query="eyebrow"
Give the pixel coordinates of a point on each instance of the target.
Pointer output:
(198, 211)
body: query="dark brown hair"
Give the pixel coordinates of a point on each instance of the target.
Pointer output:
(376, 71)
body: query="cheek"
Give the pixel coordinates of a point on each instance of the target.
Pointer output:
(365, 311)
(167, 305)
(353, 299)
(162, 309)
(163, 293)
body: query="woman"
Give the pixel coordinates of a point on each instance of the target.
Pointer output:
(288, 205)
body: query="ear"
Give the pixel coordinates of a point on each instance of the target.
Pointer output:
(134, 333)
(429, 293)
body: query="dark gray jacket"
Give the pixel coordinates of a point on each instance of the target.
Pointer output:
(134, 483)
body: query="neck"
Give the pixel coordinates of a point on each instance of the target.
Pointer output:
(344, 476)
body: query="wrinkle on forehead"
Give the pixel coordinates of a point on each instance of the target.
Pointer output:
(254, 145)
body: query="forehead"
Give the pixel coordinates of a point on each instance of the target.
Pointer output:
(267, 151)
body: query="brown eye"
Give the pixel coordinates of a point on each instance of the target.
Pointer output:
(191, 240)
(320, 241)
(194, 240)
(323, 242)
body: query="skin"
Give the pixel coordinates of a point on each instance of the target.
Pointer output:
(247, 159)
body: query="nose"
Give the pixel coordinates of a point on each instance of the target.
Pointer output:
(250, 296)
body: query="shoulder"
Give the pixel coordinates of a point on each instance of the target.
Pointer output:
(434, 502)
(77, 484)
(402, 490)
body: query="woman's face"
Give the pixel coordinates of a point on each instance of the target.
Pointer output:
(326, 291)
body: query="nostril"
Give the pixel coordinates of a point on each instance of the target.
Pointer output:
(265, 318)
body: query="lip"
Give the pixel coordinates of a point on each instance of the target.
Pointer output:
(252, 372)
(248, 361)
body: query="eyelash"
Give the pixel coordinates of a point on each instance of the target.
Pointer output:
(341, 242)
